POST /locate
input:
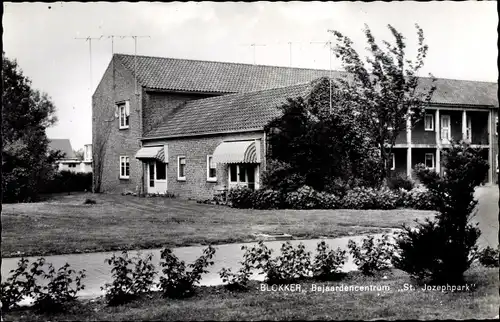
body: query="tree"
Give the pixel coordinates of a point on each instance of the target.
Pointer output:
(385, 88)
(79, 154)
(27, 162)
(444, 248)
(314, 146)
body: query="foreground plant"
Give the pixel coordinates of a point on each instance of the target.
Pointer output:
(132, 276)
(372, 255)
(328, 262)
(442, 249)
(179, 282)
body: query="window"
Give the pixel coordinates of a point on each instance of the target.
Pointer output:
(242, 174)
(392, 159)
(429, 122)
(211, 169)
(429, 160)
(124, 114)
(72, 165)
(124, 167)
(161, 171)
(181, 168)
(233, 172)
(468, 129)
(496, 163)
(496, 125)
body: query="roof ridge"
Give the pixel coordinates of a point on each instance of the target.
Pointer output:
(283, 67)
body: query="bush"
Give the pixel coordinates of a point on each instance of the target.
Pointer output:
(176, 281)
(52, 297)
(442, 249)
(239, 280)
(241, 197)
(418, 198)
(399, 182)
(372, 255)
(489, 257)
(280, 176)
(89, 202)
(386, 198)
(129, 282)
(359, 198)
(327, 263)
(67, 181)
(267, 199)
(307, 198)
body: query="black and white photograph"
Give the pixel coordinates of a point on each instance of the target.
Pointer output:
(248, 161)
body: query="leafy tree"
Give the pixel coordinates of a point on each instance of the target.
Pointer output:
(26, 113)
(314, 146)
(79, 154)
(384, 88)
(444, 248)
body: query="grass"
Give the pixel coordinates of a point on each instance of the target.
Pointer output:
(218, 304)
(65, 224)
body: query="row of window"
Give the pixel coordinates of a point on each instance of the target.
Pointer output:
(161, 171)
(445, 124)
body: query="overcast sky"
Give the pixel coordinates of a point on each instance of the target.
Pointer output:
(462, 37)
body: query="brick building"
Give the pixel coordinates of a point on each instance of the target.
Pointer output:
(192, 127)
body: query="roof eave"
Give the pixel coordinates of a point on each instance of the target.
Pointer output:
(176, 136)
(169, 90)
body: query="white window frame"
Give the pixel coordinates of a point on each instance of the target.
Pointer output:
(393, 159)
(122, 116)
(468, 128)
(124, 160)
(432, 122)
(209, 178)
(496, 162)
(433, 161)
(179, 178)
(446, 140)
(496, 125)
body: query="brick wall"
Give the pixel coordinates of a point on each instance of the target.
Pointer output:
(106, 132)
(196, 149)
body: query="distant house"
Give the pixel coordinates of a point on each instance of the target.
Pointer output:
(70, 162)
(193, 127)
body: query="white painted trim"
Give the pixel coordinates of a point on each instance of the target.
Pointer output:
(472, 109)
(126, 106)
(408, 162)
(124, 157)
(179, 178)
(431, 129)
(210, 179)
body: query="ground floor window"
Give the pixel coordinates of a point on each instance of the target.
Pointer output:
(124, 167)
(181, 168)
(242, 174)
(211, 169)
(429, 160)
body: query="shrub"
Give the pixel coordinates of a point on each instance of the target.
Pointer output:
(239, 280)
(177, 281)
(132, 276)
(489, 257)
(292, 265)
(372, 255)
(52, 297)
(241, 197)
(89, 202)
(67, 181)
(58, 292)
(418, 198)
(386, 198)
(328, 262)
(399, 182)
(359, 198)
(307, 198)
(267, 199)
(442, 249)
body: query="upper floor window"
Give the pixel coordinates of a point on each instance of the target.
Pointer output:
(429, 122)
(181, 168)
(124, 167)
(211, 169)
(124, 114)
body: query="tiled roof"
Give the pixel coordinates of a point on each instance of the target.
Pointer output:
(63, 145)
(215, 77)
(232, 112)
(221, 77)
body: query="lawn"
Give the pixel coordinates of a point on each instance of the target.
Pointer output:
(65, 225)
(216, 303)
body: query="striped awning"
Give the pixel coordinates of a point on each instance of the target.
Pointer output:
(151, 152)
(237, 152)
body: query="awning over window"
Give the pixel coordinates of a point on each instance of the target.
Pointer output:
(152, 152)
(237, 152)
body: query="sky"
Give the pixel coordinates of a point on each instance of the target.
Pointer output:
(462, 39)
